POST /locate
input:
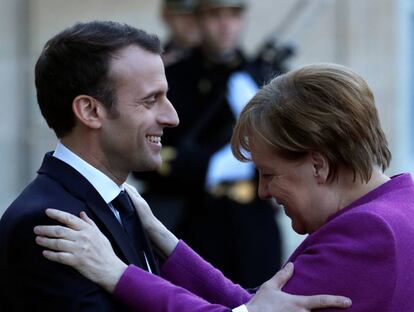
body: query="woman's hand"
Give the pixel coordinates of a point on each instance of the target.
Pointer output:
(82, 246)
(270, 297)
(141, 206)
(158, 233)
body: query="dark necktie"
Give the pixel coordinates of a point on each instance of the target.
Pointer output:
(132, 226)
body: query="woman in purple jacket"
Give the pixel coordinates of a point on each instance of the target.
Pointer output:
(315, 137)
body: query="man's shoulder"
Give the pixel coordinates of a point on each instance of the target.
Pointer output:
(23, 268)
(29, 207)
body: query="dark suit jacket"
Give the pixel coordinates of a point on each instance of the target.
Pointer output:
(28, 281)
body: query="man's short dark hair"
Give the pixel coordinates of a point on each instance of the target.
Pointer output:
(76, 61)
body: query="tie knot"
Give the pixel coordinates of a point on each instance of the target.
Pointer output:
(123, 204)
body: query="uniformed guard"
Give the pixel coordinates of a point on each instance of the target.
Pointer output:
(180, 20)
(211, 196)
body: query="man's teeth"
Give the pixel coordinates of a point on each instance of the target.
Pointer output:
(154, 139)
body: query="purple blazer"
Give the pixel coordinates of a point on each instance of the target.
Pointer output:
(189, 284)
(365, 252)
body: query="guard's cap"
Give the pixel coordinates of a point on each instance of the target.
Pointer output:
(221, 3)
(180, 6)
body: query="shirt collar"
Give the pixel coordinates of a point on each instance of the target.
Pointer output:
(106, 187)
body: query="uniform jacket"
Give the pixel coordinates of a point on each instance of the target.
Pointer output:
(197, 89)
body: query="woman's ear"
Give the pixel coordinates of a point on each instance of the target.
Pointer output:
(88, 111)
(320, 167)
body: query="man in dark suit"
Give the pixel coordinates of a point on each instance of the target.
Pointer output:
(101, 87)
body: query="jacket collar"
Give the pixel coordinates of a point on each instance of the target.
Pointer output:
(76, 184)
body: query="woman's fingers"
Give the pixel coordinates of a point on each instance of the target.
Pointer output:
(55, 231)
(66, 218)
(132, 191)
(82, 246)
(85, 218)
(134, 195)
(140, 204)
(282, 277)
(57, 244)
(325, 301)
(60, 257)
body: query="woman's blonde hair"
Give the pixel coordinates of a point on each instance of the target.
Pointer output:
(323, 107)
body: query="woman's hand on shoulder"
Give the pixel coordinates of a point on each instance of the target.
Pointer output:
(80, 244)
(163, 238)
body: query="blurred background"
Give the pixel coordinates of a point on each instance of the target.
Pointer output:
(373, 37)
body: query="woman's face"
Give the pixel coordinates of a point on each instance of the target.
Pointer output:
(295, 184)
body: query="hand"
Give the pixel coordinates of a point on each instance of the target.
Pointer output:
(269, 297)
(141, 206)
(82, 246)
(157, 232)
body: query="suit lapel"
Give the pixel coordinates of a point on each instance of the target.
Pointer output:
(149, 252)
(78, 186)
(107, 218)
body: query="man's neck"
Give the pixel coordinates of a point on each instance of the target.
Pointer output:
(95, 159)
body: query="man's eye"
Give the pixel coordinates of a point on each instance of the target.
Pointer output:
(150, 102)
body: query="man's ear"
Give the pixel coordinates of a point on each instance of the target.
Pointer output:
(320, 167)
(88, 111)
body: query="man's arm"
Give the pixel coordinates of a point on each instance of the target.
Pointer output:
(269, 297)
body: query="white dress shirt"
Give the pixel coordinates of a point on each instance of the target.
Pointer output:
(106, 187)
(242, 308)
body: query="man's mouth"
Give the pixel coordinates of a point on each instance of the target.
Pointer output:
(154, 138)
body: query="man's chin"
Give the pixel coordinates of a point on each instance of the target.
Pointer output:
(155, 165)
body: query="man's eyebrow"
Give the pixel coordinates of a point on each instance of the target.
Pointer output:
(154, 93)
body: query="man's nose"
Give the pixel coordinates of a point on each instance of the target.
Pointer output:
(169, 117)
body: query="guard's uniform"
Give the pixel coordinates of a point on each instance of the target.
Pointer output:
(173, 51)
